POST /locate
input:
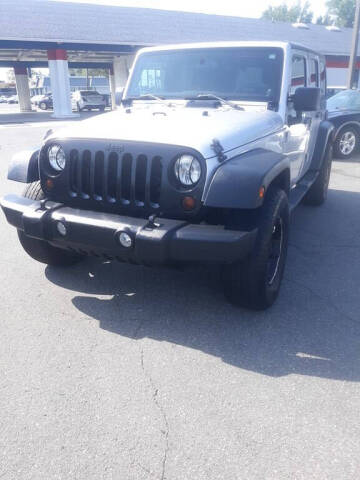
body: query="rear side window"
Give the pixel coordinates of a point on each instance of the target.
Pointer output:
(314, 73)
(298, 73)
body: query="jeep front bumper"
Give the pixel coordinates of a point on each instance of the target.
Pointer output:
(96, 233)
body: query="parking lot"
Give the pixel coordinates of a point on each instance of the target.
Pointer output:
(113, 371)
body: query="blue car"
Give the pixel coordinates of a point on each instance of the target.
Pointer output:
(344, 114)
(45, 102)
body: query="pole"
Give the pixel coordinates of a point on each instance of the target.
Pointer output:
(354, 46)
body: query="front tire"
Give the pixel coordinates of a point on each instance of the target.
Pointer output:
(255, 282)
(42, 106)
(346, 143)
(38, 249)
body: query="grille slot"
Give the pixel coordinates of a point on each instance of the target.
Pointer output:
(98, 175)
(126, 178)
(122, 179)
(85, 174)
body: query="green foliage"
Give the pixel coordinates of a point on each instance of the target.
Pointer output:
(343, 12)
(324, 20)
(295, 13)
(339, 12)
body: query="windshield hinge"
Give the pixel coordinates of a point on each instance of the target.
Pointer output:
(218, 149)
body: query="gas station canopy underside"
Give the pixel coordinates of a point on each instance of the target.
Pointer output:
(33, 54)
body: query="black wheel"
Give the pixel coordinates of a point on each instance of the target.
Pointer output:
(318, 191)
(346, 142)
(39, 250)
(255, 282)
(42, 106)
(102, 109)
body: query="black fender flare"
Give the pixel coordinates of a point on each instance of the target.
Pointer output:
(24, 166)
(237, 182)
(325, 137)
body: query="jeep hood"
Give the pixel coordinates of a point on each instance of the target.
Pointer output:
(188, 127)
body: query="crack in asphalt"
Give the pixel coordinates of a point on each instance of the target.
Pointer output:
(162, 412)
(155, 396)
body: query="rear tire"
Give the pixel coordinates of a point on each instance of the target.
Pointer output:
(38, 249)
(317, 193)
(255, 282)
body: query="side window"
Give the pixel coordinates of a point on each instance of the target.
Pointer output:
(314, 73)
(298, 73)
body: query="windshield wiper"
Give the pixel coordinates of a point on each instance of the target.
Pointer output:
(146, 96)
(211, 96)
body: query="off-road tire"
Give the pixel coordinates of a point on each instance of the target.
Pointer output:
(317, 193)
(43, 106)
(39, 250)
(247, 283)
(338, 151)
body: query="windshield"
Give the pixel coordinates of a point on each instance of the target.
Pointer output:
(236, 73)
(347, 100)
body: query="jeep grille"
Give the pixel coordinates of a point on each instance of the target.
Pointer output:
(115, 178)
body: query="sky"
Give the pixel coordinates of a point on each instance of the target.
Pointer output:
(240, 8)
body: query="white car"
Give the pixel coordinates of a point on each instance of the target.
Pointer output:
(13, 99)
(87, 100)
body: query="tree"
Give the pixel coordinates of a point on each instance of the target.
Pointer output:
(295, 13)
(324, 20)
(10, 76)
(343, 12)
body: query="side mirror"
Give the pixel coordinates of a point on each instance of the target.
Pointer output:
(306, 99)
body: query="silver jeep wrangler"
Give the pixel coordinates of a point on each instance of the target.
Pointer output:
(212, 148)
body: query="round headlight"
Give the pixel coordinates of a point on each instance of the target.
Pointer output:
(57, 157)
(187, 170)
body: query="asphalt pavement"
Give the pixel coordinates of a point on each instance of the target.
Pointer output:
(119, 372)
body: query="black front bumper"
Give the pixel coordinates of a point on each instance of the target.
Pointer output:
(96, 233)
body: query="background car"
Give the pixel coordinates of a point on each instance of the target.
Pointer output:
(3, 99)
(344, 114)
(13, 99)
(331, 91)
(45, 102)
(35, 99)
(87, 100)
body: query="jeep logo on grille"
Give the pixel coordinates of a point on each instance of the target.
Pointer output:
(112, 147)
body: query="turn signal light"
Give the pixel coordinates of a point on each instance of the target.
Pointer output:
(188, 203)
(49, 184)
(262, 192)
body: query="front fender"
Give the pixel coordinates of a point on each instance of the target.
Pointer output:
(237, 183)
(24, 166)
(325, 137)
